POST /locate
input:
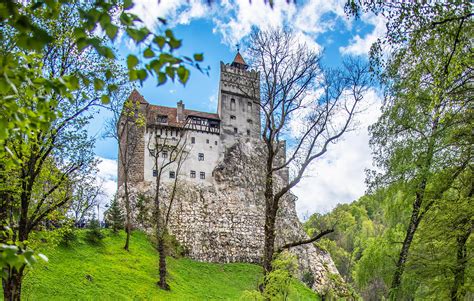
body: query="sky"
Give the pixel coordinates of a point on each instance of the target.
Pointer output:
(214, 30)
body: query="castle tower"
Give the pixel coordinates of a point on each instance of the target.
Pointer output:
(239, 100)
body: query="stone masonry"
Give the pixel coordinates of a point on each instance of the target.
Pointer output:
(225, 222)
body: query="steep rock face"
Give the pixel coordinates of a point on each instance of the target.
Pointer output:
(224, 222)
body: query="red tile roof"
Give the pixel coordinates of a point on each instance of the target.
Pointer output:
(239, 59)
(136, 96)
(152, 111)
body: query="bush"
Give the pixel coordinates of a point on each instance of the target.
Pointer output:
(114, 216)
(67, 233)
(94, 234)
(308, 279)
(173, 247)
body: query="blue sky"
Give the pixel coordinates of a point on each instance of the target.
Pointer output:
(214, 30)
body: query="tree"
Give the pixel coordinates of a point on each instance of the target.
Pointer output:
(114, 215)
(86, 195)
(125, 126)
(422, 137)
(49, 84)
(169, 154)
(41, 164)
(291, 76)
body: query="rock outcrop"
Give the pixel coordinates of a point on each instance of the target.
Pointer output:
(224, 222)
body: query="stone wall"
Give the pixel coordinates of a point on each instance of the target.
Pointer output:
(224, 222)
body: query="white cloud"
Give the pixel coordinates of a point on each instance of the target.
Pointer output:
(107, 175)
(212, 106)
(361, 45)
(234, 19)
(338, 176)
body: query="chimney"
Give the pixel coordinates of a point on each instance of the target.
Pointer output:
(180, 111)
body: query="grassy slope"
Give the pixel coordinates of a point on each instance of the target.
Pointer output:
(118, 275)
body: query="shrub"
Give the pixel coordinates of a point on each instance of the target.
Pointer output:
(114, 216)
(308, 278)
(67, 233)
(94, 234)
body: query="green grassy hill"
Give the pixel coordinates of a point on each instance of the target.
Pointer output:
(107, 272)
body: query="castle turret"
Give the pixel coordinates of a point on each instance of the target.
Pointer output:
(239, 100)
(180, 111)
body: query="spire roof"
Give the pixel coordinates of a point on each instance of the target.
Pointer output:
(239, 59)
(239, 62)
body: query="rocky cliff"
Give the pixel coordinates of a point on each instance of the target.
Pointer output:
(224, 222)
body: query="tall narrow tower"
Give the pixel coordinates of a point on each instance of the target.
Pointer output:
(239, 101)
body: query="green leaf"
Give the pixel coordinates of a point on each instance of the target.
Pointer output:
(142, 74)
(105, 99)
(108, 74)
(111, 31)
(183, 74)
(161, 78)
(169, 33)
(132, 61)
(160, 41)
(174, 44)
(127, 4)
(170, 71)
(198, 57)
(98, 84)
(148, 53)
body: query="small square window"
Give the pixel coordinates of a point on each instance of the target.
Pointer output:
(207, 141)
(232, 117)
(193, 174)
(172, 174)
(202, 175)
(248, 132)
(164, 154)
(193, 140)
(215, 142)
(249, 121)
(155, 173)
(200, 157)
(235, 130)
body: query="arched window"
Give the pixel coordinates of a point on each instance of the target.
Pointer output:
(232, 104)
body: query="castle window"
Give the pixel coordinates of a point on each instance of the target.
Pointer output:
(162, 119)
(232, 117)
(172, 174)
(207, 141)
(213, 123)
(193, 174)
(152, 152)
(248, 132)
(249, 106)
(250, 121)
(202, 175)
(193, 140)
(235, 130)
(215, 142)
(200, 157)
(155, 173)
(164, 154)
(232, 104)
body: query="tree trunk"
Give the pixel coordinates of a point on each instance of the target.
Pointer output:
(271, 209)
(12, 285)
(402, 258)
(128, 227)
(459, 270)
(162, 264)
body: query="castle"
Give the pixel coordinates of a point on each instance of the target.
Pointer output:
(219, 211)
(208, 135)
